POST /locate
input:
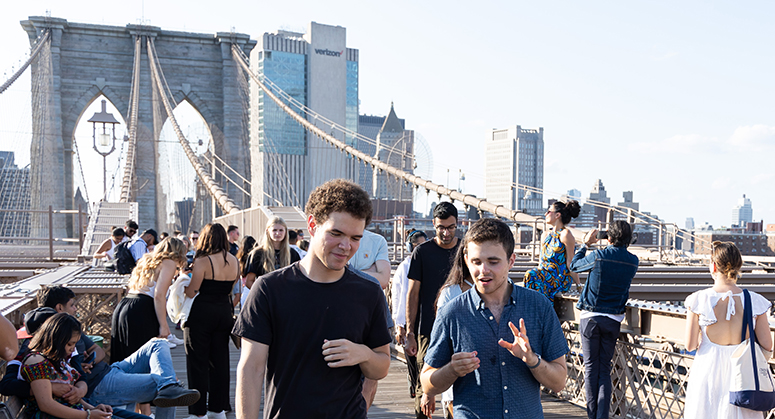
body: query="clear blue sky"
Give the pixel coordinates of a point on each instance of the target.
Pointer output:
(672, 100)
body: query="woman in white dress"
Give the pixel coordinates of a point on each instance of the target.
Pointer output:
(714, 325)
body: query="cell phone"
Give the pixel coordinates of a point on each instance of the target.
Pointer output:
(90, 359)
(602, 235)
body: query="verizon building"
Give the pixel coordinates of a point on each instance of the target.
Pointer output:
(318, 70)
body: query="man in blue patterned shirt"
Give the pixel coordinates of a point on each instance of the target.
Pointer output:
(496, 367)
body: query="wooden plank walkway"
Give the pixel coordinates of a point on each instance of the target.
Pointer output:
(391, 402)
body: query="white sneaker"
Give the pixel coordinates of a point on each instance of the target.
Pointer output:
(219, 415)
(171, 345)
(195, 417)
(174, 339)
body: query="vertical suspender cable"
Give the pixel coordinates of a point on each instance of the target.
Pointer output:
(227, 205)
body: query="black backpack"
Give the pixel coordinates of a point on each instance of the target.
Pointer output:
(125, 262)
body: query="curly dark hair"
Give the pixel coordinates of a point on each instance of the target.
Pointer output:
(339, 195)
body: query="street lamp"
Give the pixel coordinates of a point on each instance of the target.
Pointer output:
(104, 139)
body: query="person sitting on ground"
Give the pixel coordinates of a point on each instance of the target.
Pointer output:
(273, 253)
(148, 371)
(47, 364)
(108, 247)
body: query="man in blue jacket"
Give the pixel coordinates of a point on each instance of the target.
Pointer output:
(602, 304)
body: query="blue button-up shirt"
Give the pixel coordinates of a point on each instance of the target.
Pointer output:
(503, 386)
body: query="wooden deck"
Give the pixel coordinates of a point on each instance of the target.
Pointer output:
(392, 400)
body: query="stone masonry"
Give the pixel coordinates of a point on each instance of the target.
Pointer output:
(88, 60)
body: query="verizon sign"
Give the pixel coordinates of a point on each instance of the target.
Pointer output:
(329, 52)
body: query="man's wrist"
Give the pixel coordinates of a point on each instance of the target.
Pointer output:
(534, 362)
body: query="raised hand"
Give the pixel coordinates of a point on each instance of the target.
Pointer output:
(520, 348)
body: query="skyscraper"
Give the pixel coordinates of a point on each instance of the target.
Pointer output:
(318, 71)
(515, 156)
(742, 214)
(396, 148)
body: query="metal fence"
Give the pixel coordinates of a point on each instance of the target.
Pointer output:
(647, 382)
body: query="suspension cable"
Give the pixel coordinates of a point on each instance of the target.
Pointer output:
(318, 117)
(499, 210)
(38, 47)
(129, 167)
(227, 205)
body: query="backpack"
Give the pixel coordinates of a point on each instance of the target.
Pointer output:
(125, 262)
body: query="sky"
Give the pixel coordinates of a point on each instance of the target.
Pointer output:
(670, 100)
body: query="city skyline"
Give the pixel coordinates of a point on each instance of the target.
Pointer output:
(668, 101)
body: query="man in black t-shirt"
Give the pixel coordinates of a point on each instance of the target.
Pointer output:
(233, 233)
(431, 262)
(316, 327)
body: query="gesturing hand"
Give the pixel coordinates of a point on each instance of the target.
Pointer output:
(520, 348)
(342, 353)
(464, 363)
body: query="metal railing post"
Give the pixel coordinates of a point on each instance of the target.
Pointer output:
(50, 233)
(80, 228)
(659, 241)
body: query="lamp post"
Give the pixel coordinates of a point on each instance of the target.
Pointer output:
(104, 139)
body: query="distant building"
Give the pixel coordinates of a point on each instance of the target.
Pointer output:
(592, 214)
(515, 156)
(742, 213)
(750, 244)
(14, 195)
(184, 212)
(689, 225)
(318, 71)
(396, 148)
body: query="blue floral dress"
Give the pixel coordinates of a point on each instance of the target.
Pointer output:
(552, 275)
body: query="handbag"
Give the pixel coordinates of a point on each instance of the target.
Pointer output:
(752, 384)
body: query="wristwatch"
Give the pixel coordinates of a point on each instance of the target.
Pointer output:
(537, 363)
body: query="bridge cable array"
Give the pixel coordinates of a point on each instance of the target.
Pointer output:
(43, 40)
(134, 100)
(498, 210)
(227, 204)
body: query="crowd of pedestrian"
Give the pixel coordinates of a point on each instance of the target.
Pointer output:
(314, 328)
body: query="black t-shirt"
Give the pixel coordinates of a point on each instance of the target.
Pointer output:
(430, 265)
(255, 263)
(233, 248)
(293, 315)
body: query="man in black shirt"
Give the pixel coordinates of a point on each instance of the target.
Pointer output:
(431, 262)
(316, 327)
(233, 233)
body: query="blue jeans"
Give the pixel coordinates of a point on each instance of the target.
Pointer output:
(138, 378)
(598, 341)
